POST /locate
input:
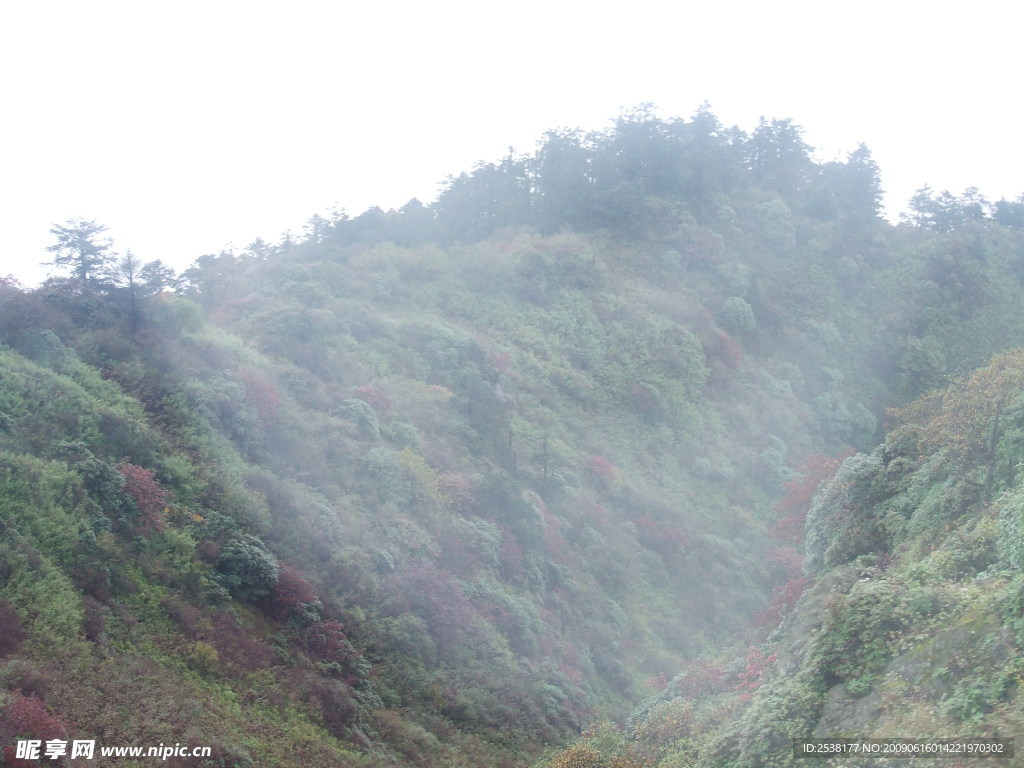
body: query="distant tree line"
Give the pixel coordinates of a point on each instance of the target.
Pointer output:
(608, 179)
(945, 212)
(98, 280)
(640, 173)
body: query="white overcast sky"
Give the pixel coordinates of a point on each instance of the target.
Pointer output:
(188, 126)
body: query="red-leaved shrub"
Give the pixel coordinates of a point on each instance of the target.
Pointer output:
(291, 592)
(263, 396)
(25, 717)
(371, 395)
(149, 496)
(794, 505)
(750, 677)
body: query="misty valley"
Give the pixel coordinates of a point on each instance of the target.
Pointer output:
(656, 447)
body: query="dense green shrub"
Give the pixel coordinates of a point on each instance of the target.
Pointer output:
(736, 316)
(841, 523)
(247, 568)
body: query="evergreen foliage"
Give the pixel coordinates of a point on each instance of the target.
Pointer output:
(448, 484)
(910, 628)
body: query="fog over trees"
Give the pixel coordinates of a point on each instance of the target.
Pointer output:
(657, 446)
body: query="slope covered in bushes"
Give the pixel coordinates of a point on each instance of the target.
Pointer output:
(909, 625)
(444, 485)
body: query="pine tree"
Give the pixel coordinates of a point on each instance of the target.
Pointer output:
(79, 249)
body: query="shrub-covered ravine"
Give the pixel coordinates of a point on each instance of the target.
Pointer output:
(909, 625)
(585, 445)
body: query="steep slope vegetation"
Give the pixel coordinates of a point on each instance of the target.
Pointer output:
(441, 486)
(910, 623)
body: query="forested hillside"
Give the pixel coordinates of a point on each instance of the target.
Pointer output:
(909, 625)
(448, 484)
